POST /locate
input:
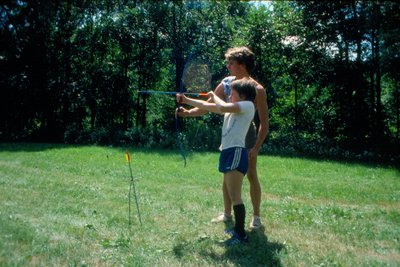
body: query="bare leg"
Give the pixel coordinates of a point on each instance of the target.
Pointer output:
(255, 187)
(233, 181)
(227, 199)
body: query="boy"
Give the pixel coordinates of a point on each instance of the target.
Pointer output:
(233, 162)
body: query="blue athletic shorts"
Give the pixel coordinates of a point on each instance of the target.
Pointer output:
(234, 158)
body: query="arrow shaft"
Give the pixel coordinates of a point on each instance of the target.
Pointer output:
(171, 93)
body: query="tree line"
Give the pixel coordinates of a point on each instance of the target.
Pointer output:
(71, 71)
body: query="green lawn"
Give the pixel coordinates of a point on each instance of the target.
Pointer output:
(68, 206)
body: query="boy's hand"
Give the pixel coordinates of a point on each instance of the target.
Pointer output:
(181, 98)
(211, 94)
(182, 112)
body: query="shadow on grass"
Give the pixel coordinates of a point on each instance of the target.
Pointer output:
(31, 147)
(259, 251)
(394, 162)
(36, 147)
(377, 161)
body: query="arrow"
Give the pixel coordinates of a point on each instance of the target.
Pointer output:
(173, 93)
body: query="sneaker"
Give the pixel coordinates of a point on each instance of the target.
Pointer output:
(236, 239)
(222, 218)
(255, 222)
(230, 232)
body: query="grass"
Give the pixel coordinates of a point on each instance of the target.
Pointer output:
(67, 206)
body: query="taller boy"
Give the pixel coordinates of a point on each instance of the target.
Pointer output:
(240, 63)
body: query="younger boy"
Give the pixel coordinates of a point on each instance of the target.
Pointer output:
(233, 162)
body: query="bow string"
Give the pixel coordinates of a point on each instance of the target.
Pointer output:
(178, 105)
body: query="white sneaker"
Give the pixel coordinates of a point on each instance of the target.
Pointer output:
(222, 218)
(255, 222)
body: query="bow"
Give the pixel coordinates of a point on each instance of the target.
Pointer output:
(178, 105)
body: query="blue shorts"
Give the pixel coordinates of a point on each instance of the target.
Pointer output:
(234, 158)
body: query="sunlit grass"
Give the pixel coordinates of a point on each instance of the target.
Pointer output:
(68, 205)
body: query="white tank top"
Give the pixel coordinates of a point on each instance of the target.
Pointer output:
(236, 125)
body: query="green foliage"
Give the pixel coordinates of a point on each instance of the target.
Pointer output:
(71, 70)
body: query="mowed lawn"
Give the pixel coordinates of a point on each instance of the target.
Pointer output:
(65, 205)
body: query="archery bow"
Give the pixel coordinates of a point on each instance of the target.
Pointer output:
(178, 105)
(189, 67)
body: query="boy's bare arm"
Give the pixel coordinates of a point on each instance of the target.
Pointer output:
(223, 106)
(200, 104)
(197, 112)
(193, 112)
(263, 115)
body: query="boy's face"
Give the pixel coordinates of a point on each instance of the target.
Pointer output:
(234, 96)
(234, 67)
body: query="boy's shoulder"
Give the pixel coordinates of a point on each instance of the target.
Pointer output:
(258, 85)
(246, 105)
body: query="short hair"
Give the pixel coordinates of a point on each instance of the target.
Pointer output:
(247, 89)
(242, 55)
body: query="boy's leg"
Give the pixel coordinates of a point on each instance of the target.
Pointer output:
(234, 181)
(255, 187)
(227, 199)
(240, 216)
(227, 215)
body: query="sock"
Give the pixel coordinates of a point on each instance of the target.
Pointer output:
(240, 215)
